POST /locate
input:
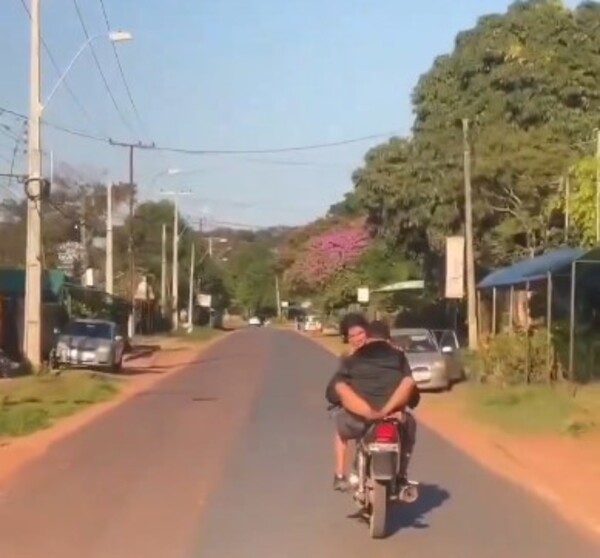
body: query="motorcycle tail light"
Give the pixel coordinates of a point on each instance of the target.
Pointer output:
(386, 433)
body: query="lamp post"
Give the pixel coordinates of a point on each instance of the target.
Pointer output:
(34, 187)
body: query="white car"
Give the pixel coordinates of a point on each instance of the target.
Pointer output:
(254, 321)
(312, 323)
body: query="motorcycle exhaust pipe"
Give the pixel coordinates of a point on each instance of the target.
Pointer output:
(409, 494)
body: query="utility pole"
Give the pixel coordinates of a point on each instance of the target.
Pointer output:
(175, 310)
(176, 263)
(33, 264)
(83, 239)
(470, 252)
(210, 246)
(597, 186)
(191, 293)
(278, 296)
(109, 271)
(163, 272)
(131, 147)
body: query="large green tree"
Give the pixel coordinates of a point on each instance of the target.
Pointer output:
(528, 82)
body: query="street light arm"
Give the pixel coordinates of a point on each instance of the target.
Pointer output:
(114, 37)
(68, 68)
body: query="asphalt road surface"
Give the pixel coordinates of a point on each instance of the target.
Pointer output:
(231, 458)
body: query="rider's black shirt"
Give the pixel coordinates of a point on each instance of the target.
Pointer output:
(374, 372)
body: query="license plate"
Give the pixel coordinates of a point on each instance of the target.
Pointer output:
(421, 376)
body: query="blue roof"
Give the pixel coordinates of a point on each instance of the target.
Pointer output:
(535, 269)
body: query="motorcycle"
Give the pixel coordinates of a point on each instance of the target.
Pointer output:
(376, 475)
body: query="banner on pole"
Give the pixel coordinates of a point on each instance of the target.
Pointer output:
(455, 267)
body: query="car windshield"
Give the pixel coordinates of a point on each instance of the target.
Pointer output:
(415, 342)
(96, 330)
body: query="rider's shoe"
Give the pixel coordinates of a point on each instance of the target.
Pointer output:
(340, 483)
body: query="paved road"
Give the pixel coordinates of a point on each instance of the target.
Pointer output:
(232, 459)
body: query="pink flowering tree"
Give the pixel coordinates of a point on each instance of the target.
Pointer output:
(328, 254)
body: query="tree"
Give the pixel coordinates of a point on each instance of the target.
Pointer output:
(251, 276)
(528, 81)
(325, 255)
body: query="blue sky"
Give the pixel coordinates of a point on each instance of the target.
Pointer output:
(233, 75)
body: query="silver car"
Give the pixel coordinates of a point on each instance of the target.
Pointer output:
(89, 344)
(435, 364)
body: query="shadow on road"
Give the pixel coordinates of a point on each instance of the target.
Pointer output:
(404, 516)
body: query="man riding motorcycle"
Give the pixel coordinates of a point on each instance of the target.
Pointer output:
(374, 382)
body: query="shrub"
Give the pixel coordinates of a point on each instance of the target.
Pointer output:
(513, 359)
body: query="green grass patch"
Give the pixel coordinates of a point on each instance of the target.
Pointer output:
(197, 334)
(33, 403)
(536, 409)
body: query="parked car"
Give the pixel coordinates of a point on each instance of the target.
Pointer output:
(254, 321)
(434, 359)
(89, 344)
(313, 323)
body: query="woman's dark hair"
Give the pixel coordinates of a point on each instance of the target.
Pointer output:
(353, 319)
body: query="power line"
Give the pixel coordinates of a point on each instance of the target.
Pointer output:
(54, 63)
(97, 62)
(311, 147)
(122, 72)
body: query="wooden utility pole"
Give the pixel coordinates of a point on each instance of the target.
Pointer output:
(470, 252)
(132, 147)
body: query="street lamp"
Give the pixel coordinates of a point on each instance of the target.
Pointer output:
(33, 186)
(166, 172)
(113, 37)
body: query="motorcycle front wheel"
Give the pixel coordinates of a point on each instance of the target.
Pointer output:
(379, 510)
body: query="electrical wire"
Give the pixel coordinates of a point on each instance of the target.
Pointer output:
(311, 147)
(54, 63)
(122, 72)
(98, 65)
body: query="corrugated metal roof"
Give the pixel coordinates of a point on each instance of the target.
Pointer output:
(537, 268)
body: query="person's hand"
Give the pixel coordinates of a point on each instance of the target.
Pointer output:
(373, 415)
(398, 415)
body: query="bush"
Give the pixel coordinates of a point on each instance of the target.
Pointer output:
(514, 359)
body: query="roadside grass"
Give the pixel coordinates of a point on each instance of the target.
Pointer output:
(32, 403)
(534, 410)
(198, 334)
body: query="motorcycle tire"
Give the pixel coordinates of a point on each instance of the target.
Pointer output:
(379, 511)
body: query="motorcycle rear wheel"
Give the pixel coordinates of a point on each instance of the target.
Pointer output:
(379, 510)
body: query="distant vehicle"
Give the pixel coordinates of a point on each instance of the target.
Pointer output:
(312, 323)
(435, 365)
(254, 321)
(88, 344)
